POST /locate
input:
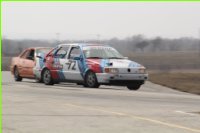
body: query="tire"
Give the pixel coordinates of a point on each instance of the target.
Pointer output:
(17, 77)
(91, 80)
(46, 77)
(56, 82)
(134, 87)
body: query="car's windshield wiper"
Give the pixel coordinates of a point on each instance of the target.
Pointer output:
(94, 57)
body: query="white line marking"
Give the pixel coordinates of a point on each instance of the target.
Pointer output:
(135, 117)
(182, 112)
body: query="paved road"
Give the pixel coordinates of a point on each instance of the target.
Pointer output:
(30, 107)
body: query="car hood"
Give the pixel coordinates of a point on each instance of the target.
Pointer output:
(116, 63)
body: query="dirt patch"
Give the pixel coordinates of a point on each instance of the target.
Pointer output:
(186, 82)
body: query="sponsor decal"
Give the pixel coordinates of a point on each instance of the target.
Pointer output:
(56, 64)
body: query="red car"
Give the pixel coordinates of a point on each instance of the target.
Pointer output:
(23, 65)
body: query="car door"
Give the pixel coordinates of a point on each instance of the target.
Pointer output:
(28, 64)
(71, 65)
(60, 62)
(21, 63)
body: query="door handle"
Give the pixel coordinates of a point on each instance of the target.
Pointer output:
(67, 63)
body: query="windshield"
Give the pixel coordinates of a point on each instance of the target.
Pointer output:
(101, 52)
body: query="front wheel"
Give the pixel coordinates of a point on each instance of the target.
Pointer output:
(16, 75)
(91, 80)
(133, 87)
(46, 76)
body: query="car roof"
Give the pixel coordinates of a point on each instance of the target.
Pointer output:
(81, 44)
(39, 48)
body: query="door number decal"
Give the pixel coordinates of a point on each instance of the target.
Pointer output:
(72, 65)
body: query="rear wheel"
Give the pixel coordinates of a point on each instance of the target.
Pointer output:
(16, 75)
(91, 80)
(134, 87)
(46, 76)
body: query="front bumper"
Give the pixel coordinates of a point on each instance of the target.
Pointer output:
(121, 79)
(37, 72)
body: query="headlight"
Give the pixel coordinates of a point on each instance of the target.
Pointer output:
(111, 70)
(142, 70)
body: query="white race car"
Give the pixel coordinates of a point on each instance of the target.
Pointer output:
(91, 65)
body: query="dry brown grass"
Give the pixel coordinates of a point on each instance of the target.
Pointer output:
(167, 61)
(6, 63)
(186, 82)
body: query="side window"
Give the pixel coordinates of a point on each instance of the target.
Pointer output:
(30, 54)
(62, 52)
(24, 55)
(75, 52)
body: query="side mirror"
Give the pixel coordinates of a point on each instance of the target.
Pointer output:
(77, 58)
(39, 56)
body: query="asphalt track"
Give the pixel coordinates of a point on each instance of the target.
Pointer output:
(30, 107)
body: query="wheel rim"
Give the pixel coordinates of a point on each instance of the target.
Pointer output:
(91, 79)
(47, 76)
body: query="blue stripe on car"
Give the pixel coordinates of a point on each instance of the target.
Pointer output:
(82, 64)
(41, 60)
(104, 63)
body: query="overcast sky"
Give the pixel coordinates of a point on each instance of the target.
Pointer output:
(88, 20)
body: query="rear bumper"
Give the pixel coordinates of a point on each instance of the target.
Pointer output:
(121, 79)
(37, 73)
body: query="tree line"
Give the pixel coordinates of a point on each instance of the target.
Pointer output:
(137, 44)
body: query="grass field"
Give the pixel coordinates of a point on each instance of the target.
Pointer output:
(167, 61)
(186, 82)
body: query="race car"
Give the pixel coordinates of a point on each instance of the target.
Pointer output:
(28, 63)
(91, 65)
